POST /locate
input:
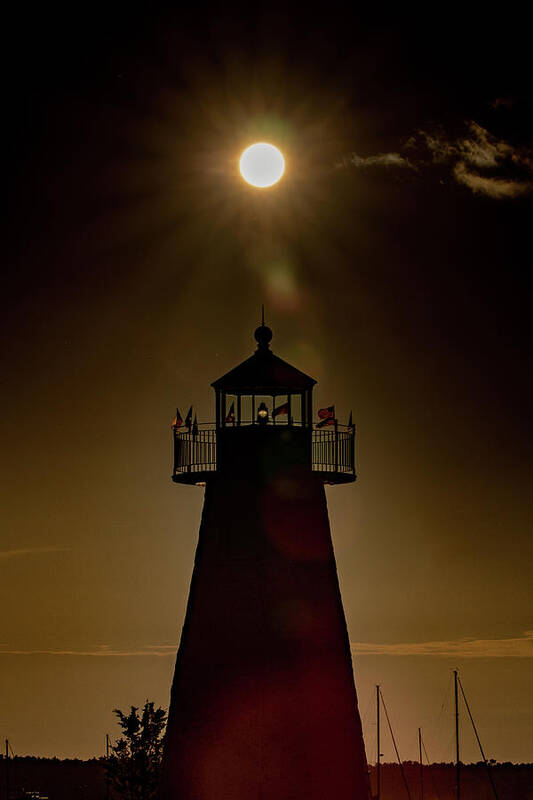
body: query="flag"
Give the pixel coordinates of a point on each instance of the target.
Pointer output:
(326, 413)
(283, 409)
(188, 418)
(195, 427)
(177, 422)
(326, 421)
(350, 421)
(230, 418)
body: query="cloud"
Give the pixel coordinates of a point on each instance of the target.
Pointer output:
(31, 551)
(520, 647)
(100, 651)
(492, 187)
(483, 150)
(482, 162)
(379, 160)
(475, 158)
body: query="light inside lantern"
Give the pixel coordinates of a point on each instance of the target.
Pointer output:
(262, 414)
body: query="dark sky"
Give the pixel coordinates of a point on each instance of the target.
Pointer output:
(394, 261)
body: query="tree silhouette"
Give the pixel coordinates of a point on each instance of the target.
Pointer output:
(133, 766)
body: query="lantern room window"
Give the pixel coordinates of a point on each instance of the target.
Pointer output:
(287, 408)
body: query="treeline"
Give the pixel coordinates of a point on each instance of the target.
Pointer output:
(512, 781)
(73, 779)
(68, 779)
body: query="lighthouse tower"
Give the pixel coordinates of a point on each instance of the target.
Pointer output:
(263, 703)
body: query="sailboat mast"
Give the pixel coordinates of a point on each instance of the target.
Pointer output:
(483, 756)
(420, 762)
(107, 748)
(7, 769)
(457, 759)
(378, 762)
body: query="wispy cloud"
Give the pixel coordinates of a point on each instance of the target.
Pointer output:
(482, 162)
(520, 647)
(378, 160)
(31, 551)
(100, 651)
(474, 157)
(491, 186)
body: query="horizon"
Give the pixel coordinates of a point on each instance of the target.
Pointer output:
(371, 764)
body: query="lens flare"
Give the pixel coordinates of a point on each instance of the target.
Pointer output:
(262, 165)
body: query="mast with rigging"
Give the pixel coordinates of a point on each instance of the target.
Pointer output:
(421, 770)
(378, 762)
(457, 758)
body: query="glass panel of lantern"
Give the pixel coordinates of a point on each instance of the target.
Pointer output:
(281, 407)
(246, 409)
(296, 409)
(230, 417)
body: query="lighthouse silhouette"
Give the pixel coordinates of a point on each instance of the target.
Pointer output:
(263, 703)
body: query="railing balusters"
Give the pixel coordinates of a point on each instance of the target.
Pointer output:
(331, 451)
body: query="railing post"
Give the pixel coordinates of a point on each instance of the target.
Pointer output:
(352, 448)
(336, 447)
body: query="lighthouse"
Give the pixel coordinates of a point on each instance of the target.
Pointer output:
(263, 703)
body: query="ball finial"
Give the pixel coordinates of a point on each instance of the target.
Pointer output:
(263, 335)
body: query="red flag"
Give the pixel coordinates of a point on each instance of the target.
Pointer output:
(230, 419)
(326, 413)
(327, 421)
(283, 409)
(177, 422)
(188, 418)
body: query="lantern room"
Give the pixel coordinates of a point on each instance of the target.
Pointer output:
(263, 390)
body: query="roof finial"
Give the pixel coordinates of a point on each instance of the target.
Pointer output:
(263, 335)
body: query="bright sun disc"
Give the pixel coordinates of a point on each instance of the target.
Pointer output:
(262, 165)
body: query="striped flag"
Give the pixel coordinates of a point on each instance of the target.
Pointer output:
(283, 409)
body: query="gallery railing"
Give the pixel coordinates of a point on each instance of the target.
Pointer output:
(332, 452)
(195, 451)
(333, 449)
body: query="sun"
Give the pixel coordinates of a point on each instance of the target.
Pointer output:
(262, 165)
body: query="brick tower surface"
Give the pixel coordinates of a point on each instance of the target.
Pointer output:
(263, 703)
